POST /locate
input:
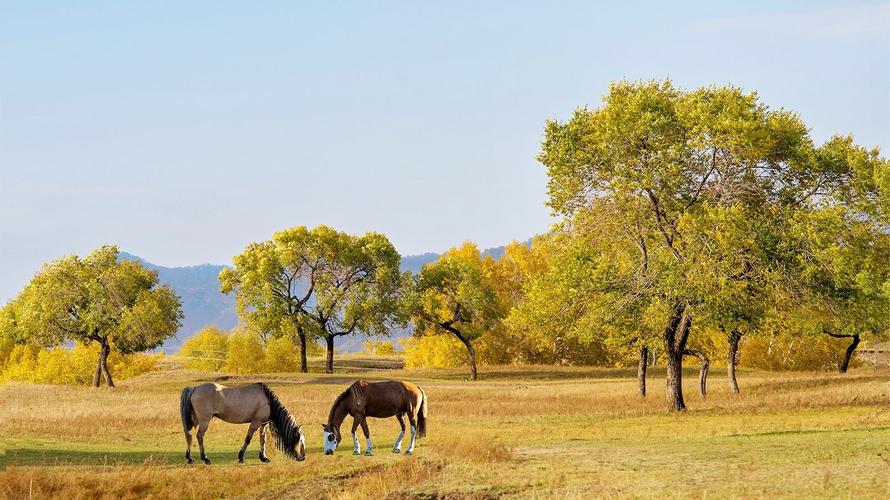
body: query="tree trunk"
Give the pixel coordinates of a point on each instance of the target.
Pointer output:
(731, 360)
(703, 373)
(329, 362)
(103, 363)
(97, 376)
(304, 368)
(641, 370)
(849, 354)
(675, 334)
(472, 355)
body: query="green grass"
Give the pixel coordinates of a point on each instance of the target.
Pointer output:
(519, 432)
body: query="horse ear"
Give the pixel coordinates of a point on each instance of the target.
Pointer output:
(322, 426)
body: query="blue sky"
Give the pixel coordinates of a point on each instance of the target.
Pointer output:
(184, 130)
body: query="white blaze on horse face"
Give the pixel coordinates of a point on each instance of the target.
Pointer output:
(330, 444)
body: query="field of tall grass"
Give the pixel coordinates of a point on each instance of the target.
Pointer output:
(525, 431)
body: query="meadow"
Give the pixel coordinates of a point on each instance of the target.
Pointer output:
(520, 431)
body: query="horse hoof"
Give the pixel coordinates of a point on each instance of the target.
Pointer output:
(189, 461)
(409, 452)
(396, 451)
(207, 461)
(368, 454)
(265, 460)
(356, 453)
(240, 460)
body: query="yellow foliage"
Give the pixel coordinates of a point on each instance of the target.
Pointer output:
(75, 366)
(206, 350)
(789, 352)
(379, 348)
(245, 353)
(282, 355)
(434, 351)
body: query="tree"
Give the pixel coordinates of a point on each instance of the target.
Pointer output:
(357, 285)
(670, 163)
(97, 299)
(457, 295)
(316, 283)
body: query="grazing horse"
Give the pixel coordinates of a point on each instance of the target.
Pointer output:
(379, 400)
(255, 404)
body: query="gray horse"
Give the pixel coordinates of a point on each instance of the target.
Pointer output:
(253, 404)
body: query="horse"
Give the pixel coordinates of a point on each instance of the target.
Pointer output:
(379, 400)
(255, 404)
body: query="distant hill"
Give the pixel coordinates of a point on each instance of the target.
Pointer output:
(204, 305)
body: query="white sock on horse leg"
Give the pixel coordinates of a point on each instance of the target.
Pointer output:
(368, 449)
(413, 436)
(398, 445)
(355, 446)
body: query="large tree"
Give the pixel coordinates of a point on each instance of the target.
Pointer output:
(457, 295)
(357, 286)
(96, 299)
(688, 171)
(316, 283)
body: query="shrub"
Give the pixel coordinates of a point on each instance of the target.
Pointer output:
(282, 355)
(434, 351)
(379, 348)
(791, 352)
(206, 350)
(245, 353)
(75, 366)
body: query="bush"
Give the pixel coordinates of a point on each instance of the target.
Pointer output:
(790, 352)
(282, 355)
(245, 354)
(379, 348)
(434, 351)
(75, 366)
(206, 350)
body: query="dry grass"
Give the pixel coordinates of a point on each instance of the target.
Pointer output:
(519, 432)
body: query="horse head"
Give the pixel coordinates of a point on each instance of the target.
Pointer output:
(331, 438)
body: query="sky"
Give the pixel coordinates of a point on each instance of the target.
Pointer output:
(182, 131)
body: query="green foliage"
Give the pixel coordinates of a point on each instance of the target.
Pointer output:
(113, 303)
(317, 282)
(458, 292)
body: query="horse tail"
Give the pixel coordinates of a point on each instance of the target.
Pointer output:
(186, 409)
(422, 414)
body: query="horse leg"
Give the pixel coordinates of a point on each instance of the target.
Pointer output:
(188, 446)
(367, 436)
(202, 428)
(356, 449)
(397, 448)
(411, 421)
(250, 431)
(263, 457)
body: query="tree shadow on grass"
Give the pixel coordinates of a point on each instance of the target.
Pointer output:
(109, 458)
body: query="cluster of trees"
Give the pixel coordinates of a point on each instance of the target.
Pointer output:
(242, 351)
(689, 220)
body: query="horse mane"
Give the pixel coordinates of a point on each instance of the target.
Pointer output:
(284, 428)
(350, 391)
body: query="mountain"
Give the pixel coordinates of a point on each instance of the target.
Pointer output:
(204, 305)
(202, 302)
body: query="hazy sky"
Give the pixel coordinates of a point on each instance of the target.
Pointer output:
(184, 130)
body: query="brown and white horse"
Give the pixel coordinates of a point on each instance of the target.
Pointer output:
(379, 400)
(255, 404)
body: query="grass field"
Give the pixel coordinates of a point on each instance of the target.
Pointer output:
(520, 431)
